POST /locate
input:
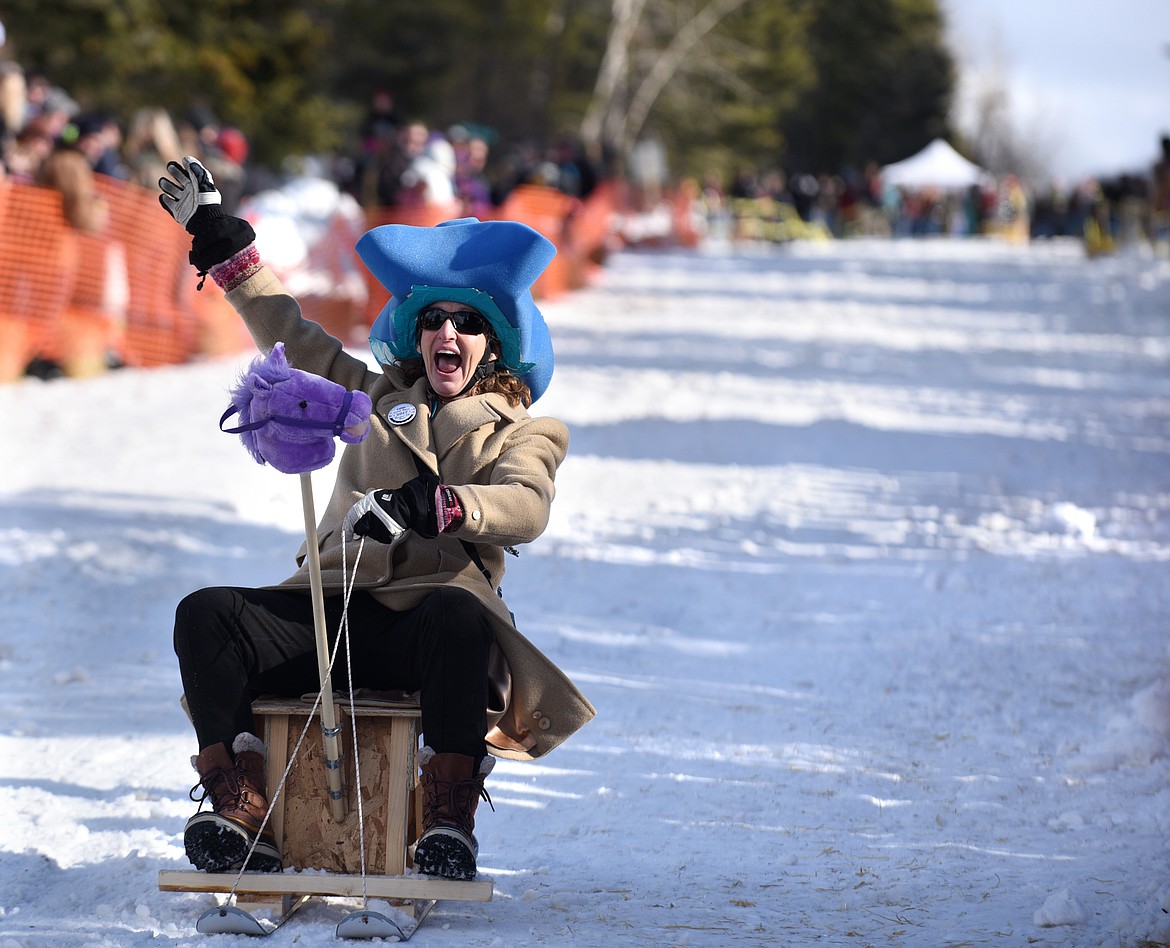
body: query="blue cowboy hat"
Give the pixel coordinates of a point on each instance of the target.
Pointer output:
(489, 265)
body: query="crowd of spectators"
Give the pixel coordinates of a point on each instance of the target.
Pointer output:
(402, 161)
(1109, 210)
(40, 121)
(394, 161)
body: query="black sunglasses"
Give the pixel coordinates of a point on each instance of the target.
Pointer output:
(466, 321)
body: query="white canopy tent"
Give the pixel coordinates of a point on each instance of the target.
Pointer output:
(938, 165)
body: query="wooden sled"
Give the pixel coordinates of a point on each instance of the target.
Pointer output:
(309, 838)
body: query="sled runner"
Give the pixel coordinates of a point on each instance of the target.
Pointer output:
(322, 856)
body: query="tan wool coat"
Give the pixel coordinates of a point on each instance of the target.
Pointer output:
(500, 460)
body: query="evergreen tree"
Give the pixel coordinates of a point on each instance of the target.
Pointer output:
(255, 65)
(810, 84)
(884, 80)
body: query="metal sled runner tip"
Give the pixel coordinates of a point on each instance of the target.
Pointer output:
(294, 889)
(229, 920)
(367, 924)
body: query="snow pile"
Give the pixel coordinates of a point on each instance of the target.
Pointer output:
(1152, 707)
(304, 230)
(860, 550)
(1060, 908)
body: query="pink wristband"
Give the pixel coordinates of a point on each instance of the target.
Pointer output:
(237, 268)
(448, 510)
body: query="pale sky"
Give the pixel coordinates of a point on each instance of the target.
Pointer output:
(1088, 81)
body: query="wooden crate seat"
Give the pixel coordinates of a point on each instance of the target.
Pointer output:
(306, 833)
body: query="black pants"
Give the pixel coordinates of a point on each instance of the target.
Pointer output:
(235, 644)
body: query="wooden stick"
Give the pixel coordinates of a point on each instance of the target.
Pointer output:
(328, 884)
(329, 728)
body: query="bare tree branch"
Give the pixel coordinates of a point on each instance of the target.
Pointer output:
(667, 65)
(615, 67)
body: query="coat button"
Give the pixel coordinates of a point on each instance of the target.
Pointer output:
(475, 515)
(541, 720)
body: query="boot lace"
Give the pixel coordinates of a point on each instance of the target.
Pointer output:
(449, 801)
(225, 786)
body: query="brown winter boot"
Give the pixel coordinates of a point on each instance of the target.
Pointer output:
(221, 839)
(452, 787)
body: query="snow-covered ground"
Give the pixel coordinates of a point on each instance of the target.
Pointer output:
(861, 552)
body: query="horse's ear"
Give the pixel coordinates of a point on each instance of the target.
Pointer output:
(277, 358)
(258, 383)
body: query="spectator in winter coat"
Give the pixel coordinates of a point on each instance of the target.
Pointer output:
(430, 178)
(453, 471)
(150, 141)
(67, 170)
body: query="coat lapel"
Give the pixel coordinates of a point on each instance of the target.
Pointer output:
(458, 419)
(405, 414)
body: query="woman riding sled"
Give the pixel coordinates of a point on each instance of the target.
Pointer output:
(453, 472)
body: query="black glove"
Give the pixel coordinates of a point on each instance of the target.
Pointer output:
(383, 514)
(193, 200)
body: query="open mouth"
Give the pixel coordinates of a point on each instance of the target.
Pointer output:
(448, 361)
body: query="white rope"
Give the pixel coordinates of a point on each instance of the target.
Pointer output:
(357, 766)
(305, 730)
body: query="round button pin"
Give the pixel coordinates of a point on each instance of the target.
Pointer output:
(401, 414)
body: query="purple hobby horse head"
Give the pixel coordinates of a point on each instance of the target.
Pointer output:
(289, 418)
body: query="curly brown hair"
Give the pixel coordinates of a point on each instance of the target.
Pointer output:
(501, 382)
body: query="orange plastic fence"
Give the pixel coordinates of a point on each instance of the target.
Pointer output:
(37, 254)
(546, 211)
(158, 330)
(80, 298)
(130, 292)
(588, 232)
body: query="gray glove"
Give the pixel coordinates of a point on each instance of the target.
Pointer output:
(192, 188)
